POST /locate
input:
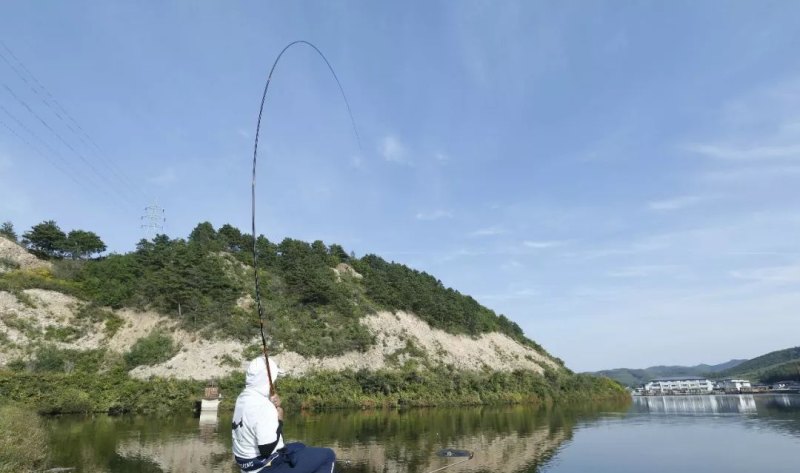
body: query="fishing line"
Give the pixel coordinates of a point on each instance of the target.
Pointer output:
(253, 196)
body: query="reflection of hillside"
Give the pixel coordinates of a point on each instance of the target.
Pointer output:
(789, 402)
(781, 412)
(180, 455)
(508, 439)
(512, 439)
(493, 452)
(509, 453)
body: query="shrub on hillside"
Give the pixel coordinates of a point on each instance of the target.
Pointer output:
(50, 358)
(155, 348)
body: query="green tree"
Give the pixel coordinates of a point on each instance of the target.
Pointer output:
(232, 238)
(7, 230)
(205, 236)
(338, 253)
(114, 280)
(305, 271)
(45, 240)
(83, 244)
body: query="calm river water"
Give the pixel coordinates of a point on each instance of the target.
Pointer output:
(655, 434)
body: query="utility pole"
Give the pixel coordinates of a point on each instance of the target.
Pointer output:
(152, 221)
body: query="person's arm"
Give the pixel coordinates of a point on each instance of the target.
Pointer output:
(267, 449)
(270, 428)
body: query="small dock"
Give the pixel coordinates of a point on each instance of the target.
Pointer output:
(211, 399)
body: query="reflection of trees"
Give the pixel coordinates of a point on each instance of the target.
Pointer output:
(510, 453)
(781, 412)
(137, 444)
(182, 455)
(513, 439)
(194, 450)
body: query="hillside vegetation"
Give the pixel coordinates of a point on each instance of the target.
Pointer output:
(780, 365)
(82, 334)
(313, 309)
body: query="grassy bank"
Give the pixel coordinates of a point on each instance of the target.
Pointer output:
(52, 393)
(23, 443)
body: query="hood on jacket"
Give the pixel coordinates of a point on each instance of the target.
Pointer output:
(256, 375)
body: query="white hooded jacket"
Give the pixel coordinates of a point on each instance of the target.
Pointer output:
(255, 418)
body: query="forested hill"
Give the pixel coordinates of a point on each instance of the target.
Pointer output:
(142, 331)
(636, 377)
(314, 294)
(774, 366)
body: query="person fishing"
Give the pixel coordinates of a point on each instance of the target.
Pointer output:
(257, 429)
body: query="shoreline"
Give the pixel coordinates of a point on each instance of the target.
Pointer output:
(118, 393)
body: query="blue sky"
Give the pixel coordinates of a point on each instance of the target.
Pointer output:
(618, 178)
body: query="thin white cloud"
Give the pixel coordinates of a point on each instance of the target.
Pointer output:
(677, 202)
(543, 244)
(760, 126)
(512, 264)
(643, 271)
(166, 177)
(767, 232)
(746, 153)
(776, 274)
(434, 215)
(750, 173)
(488, 231)
(441, 157)
(393, 150)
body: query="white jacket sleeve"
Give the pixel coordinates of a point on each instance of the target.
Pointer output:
(266, 425)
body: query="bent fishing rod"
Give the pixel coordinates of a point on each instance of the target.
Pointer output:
(253, 196)
(465, 455)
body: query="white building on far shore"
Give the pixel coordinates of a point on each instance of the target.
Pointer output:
(737, 385)
(680, 384)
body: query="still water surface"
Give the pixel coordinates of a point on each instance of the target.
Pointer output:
(655, 434)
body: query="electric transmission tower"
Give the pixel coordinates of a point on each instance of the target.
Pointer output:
(152, 221)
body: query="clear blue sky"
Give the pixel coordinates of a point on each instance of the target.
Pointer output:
(619, 178)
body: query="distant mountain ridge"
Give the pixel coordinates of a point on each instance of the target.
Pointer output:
(774, 366)
(635, 377)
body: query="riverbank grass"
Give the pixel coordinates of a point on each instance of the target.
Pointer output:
(23, 443)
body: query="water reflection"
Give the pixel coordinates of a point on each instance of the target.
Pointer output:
(696, 405)
(514, 439)
(183, 455)
(788, 401)
(511, 439)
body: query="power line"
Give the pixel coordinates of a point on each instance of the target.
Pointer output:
(60, 138)
(53, 105)
(31, 145)
(44, 144)
(33, 89)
